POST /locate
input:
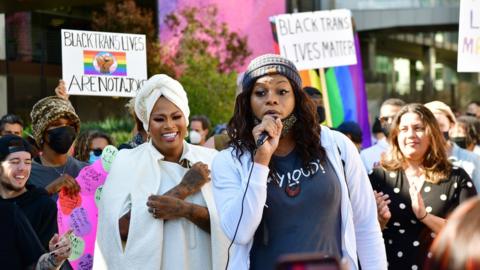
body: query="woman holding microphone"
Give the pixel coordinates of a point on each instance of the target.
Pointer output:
(286, 185)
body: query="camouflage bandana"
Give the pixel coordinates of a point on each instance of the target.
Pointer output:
(48, 110)
(287, 122)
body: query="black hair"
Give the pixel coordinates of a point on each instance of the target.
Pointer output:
(202, 119)
(10, 119)
(312, 91)
(476, 102)
(306, 133)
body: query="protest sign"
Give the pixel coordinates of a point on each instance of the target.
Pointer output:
(316, 39)
(80, 213)
(103, 63)
(469, 36)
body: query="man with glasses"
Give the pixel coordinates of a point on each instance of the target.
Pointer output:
(371, 156)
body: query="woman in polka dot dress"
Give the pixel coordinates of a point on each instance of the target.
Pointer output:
(416, 187)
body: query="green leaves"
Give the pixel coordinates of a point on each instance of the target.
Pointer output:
(118, 128)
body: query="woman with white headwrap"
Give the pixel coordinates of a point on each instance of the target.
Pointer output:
(157, 209)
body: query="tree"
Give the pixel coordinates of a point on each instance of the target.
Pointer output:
(200, 34)
(202, 56)
(207, 55)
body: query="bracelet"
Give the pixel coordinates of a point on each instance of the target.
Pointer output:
(426, 214)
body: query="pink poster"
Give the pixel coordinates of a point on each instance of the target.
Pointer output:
(80, 212)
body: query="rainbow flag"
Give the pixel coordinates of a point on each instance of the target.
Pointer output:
(104, 63)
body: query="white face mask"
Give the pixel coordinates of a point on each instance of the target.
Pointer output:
(195, 137)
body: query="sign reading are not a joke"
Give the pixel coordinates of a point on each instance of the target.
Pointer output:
(317, 39)
(102, 63)
(469, 36)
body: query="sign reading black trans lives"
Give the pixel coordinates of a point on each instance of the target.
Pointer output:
(102, 63)
(317, 39)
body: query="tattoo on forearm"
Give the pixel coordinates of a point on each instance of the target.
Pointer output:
(47, 262)
(199, 216)
(180, 191)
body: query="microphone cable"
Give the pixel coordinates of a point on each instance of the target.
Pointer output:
(241, 211)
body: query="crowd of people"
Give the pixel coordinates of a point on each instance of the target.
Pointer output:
(273, 181)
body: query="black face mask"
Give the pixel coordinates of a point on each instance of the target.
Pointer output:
(60, 139)
(460, 141)
(445, 135)
(321, 114)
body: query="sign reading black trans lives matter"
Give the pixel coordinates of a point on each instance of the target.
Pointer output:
(317, 39)
(102, 63)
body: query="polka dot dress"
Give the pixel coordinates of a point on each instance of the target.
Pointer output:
(406, 238)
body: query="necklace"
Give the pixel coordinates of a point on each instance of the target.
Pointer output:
(58, 172)
(416, 180)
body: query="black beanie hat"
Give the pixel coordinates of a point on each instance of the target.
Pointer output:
(11, 144)
(268, 64)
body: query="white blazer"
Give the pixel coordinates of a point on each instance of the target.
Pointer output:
(152, 243)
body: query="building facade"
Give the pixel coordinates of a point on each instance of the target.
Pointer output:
(409, 50)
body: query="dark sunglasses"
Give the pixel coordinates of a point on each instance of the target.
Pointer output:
(97, 152)
(470, 114)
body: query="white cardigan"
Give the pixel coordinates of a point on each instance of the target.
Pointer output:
(361, 232)
(152, 243)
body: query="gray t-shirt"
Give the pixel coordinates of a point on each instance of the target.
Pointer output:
(307, 222)
(41, 175)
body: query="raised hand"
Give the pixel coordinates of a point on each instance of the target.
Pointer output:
(274, 129)
(61, 90)
(383, 211)
(60, 247)
(64, 181)
(192, 181)
(418, 206)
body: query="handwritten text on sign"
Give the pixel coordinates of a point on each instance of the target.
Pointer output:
(317, 39)
(469, 36)
(102, 63)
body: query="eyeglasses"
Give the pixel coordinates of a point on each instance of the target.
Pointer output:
(386, 119)
(470, 114)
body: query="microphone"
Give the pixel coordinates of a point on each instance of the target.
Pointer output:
(263, 136)
(262, 139)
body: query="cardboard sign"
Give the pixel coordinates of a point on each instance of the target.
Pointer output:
(102, 63)
(469, 36)
(317, 39)
(80, 212)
